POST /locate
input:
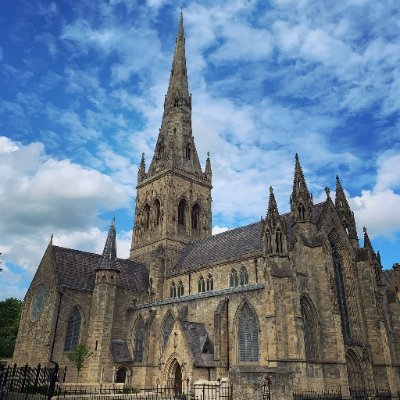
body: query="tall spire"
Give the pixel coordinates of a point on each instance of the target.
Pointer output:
(175, 148)
(301, 202)
(367, 241)
(272, 213)
(178, 81)
(109, 256)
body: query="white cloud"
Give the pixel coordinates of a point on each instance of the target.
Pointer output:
(219, 229)
(42, 196)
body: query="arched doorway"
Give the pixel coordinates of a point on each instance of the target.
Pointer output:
(177, 378)
(121, 375)
(354, 372)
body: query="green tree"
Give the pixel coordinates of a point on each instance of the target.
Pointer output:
(10, 314)
(78, 356)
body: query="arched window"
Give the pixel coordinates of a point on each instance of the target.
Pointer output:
(354, 372)
(180, 289)
(167, 328)
(201, 284)
(244, 276)
(173, 290)
(146, 214)
(73, 329)
(210, 282)
(196, 216)
(139, 340)
(176, 103)
(269, 241)
(157, 209)
(247, 335)
(310, 328)
(279, 241)
(181, 212)
(234, 280)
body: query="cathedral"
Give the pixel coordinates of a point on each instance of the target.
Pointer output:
(293, 298)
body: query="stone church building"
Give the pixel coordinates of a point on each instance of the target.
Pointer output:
(294, 298)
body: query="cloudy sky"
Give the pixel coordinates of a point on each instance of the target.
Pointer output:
(82, 86)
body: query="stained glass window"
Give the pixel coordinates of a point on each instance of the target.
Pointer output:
(310, 329)
(38, 303)
(247, 335)
(139, 340)
(167, 328)
(244, 276)
(73, 330)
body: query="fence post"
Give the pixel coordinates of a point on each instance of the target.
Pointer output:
(53, 380)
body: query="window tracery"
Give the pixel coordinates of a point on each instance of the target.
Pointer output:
(310, 328)
(73, 330)
(181, 212)
(244, 276)
(201, 285)
(210, 282)
(234, 280)
(139, 340)
(247, 335)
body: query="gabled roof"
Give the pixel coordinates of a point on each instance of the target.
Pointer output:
(76, 270)
(196, 336)
(232, 244)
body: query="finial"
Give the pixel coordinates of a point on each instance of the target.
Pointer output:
(51, 240)
(328, 192)
(365, 230)
(208, 154)
(296, 157)
(271, 190)
(337, 178)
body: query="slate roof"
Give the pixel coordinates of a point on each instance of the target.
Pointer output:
(196, 335)
(232, 244)
(119, 351)
(76, 270)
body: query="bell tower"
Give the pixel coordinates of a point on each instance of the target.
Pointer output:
(173, 201)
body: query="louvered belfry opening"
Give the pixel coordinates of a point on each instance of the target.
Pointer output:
(247, 334)
(73, 330)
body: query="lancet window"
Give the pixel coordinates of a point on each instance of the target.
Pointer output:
(180, 290)
(73, 330)
(247, 335)
(201, 285)
(188, 152)
(139, 340)
(182, 212)
(172, 290)
(310, 328)
(279, 241)
(146, 214)
(210, 282)
(244, 276)
(196, 216)
(234, 279)
(302, 211)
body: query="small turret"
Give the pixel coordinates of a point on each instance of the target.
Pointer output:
(345, 214)
(275, 239)
(142, 169)
(367, 241)
(208, 170)
(109, 257)
(301, 201)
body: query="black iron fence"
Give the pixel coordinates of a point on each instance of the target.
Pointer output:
(41, 380)
(317, 395)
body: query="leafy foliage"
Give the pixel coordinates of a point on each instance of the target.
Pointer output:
(78, 356)
(10, 314)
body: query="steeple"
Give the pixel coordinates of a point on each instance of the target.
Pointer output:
(109, 256)
(275, 240)
(367, 241)
(175, 148)
(345, 213)
(301, 202)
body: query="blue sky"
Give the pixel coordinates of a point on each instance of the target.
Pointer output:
(82, 86)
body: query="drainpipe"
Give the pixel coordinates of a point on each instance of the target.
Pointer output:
(55, 328)
(227, 335)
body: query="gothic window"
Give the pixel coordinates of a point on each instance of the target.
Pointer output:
(176, 103)
(210, 282)
(244, 276)
(279, 240)
(196, 216)
(354, 372)
(201, 284)
(181, 290)
(73, 329)
(181, 212)
(310, 328)
(167, 328)
(188, 152)
(139, 340)
(146, 213)
(157, 208)
(234, 280)
(247, 335)
(173, 290)
(341, 291)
